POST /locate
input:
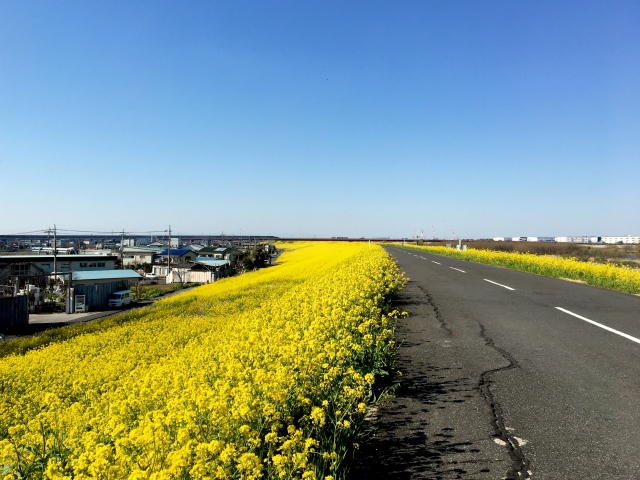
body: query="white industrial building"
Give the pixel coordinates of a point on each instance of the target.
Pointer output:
(628, 239)
(576, 239)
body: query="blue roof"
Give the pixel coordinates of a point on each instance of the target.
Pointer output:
(106, 275)
(176, 252)
(211, 262)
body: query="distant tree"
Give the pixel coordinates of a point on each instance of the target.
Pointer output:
(254, 259)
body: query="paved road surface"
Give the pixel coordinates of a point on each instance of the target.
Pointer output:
(501, 383)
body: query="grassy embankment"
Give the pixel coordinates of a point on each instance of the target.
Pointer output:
(618, 255)
(265, 375)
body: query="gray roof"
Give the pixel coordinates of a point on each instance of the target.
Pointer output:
(147, 249)
(106, 275)
(211, 262)
(49, 258)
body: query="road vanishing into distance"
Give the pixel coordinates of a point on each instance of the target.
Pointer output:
(508, 375)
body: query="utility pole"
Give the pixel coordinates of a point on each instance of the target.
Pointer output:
(55, 251)
(122, 248)
(169, 254)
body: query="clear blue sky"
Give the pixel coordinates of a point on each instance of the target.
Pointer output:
(328, 118)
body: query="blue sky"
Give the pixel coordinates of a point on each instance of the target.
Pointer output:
(328, 118)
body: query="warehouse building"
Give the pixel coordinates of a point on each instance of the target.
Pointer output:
(628, 239)
(97, 286)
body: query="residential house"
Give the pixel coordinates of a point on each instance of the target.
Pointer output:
(175, 257)
(203, 270)
(139, 255)
(220, 253)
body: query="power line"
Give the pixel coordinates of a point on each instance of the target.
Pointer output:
(44, 230)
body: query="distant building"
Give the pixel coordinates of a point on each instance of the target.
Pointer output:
(628, 239)
(41, 266)
(59, 250)
(175, 257)
(193, 247)
(578, 239)
(139, 255)
(158, 243)
(220, 253)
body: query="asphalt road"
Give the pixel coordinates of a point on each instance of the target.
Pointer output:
(500, 383)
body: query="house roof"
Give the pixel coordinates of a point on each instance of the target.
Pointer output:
(106, 275)
(146, 249)
(210, 250)
(187, 265)
(211, 262)
(49, 258)
(175, 252)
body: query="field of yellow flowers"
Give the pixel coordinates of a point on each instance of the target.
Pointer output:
(265, 375)
(623, 279)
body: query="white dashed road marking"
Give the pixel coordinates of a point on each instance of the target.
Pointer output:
(499, 284)
(617, 332)
(436, 262)
(454, 268)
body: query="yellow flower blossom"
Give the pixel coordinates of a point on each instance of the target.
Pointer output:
(257, 376)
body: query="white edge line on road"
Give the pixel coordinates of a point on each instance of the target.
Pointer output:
(499, 284)
(436, 262)
(458, 269)
(628, 337)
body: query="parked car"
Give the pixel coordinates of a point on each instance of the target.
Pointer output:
(152, 277)
(120, 298)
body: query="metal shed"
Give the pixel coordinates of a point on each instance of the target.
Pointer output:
(97, 286)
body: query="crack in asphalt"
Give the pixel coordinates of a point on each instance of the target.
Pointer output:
(520, 466)
(439, 317)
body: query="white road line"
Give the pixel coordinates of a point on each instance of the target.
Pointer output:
(436, 262)
(628, 337)
(458, 269)
(499, 284)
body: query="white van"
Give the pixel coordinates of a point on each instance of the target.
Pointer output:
(120, 298)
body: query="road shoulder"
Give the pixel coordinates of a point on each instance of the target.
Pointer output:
(439, 424)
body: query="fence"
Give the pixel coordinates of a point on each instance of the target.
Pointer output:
(177, 276)
(14, 311)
